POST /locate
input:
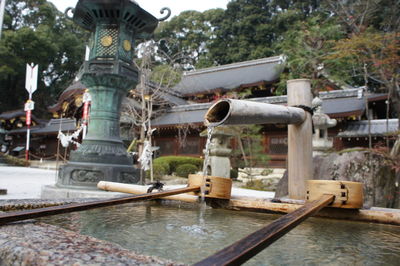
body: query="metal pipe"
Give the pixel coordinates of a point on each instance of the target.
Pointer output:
(242, 112)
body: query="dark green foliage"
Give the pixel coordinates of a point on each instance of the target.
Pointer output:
(247, 29)
(184, 38)
(306, 45)
(162, 165)
(234, 174)
(36, 32)
(174, 161)
(14, 161)
(184, 170)
(244, 33)
(160, 169)
(252, 154)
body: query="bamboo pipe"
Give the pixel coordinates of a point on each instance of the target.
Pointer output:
(242, 112)
(246, 248)
(36, 213)
(137, 189)
(369, 216)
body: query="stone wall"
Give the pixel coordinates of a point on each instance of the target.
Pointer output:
(380, 188)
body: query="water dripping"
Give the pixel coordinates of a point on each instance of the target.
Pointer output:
(210, 131)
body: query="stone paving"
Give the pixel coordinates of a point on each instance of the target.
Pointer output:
(24, 182)
(31, 243)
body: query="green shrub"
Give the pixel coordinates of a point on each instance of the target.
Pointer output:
(174, 161)
(14, 161)
(163, 166)
(184, 170)
(234, 173)
(160, 169)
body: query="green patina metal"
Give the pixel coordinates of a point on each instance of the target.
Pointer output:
(108, 74)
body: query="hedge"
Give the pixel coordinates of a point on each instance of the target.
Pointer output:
(14, 161)
(184, 170)
(174, 161)
(234, 174)
(160, 169)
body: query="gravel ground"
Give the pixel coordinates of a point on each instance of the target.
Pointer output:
(30, 243)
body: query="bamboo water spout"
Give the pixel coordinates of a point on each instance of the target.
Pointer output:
(242, 112)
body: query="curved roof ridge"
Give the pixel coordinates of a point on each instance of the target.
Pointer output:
(280, 58)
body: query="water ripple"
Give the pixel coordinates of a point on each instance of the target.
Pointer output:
(190, 234)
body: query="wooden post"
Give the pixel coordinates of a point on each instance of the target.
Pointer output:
(300, 167)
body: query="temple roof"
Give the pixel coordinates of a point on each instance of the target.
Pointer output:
(336, 104)
(231, 76)
(77, 88)
(68, 95)
(51, 127)
(17, 113)
(375, 128)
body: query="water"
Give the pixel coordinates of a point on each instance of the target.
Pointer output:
(210, 131)
(186, 234)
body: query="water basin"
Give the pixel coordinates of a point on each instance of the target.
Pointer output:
(188, 233)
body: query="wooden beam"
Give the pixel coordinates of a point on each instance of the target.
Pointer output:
(299, 140)
(246, 248)
(36, 213)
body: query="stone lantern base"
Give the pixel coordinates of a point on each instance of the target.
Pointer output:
(86, 176)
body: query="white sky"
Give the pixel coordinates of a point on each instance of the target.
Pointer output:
(154, 6)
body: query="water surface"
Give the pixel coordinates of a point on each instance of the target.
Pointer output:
(190, 234)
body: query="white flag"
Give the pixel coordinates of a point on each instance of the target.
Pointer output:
(31, 78)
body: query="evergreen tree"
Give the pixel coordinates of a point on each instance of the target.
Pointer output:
(185, 38)
(307, 44)
(36, 32)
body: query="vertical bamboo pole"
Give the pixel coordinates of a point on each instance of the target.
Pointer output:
(300, 167)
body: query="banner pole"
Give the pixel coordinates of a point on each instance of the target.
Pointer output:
(28, 133)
